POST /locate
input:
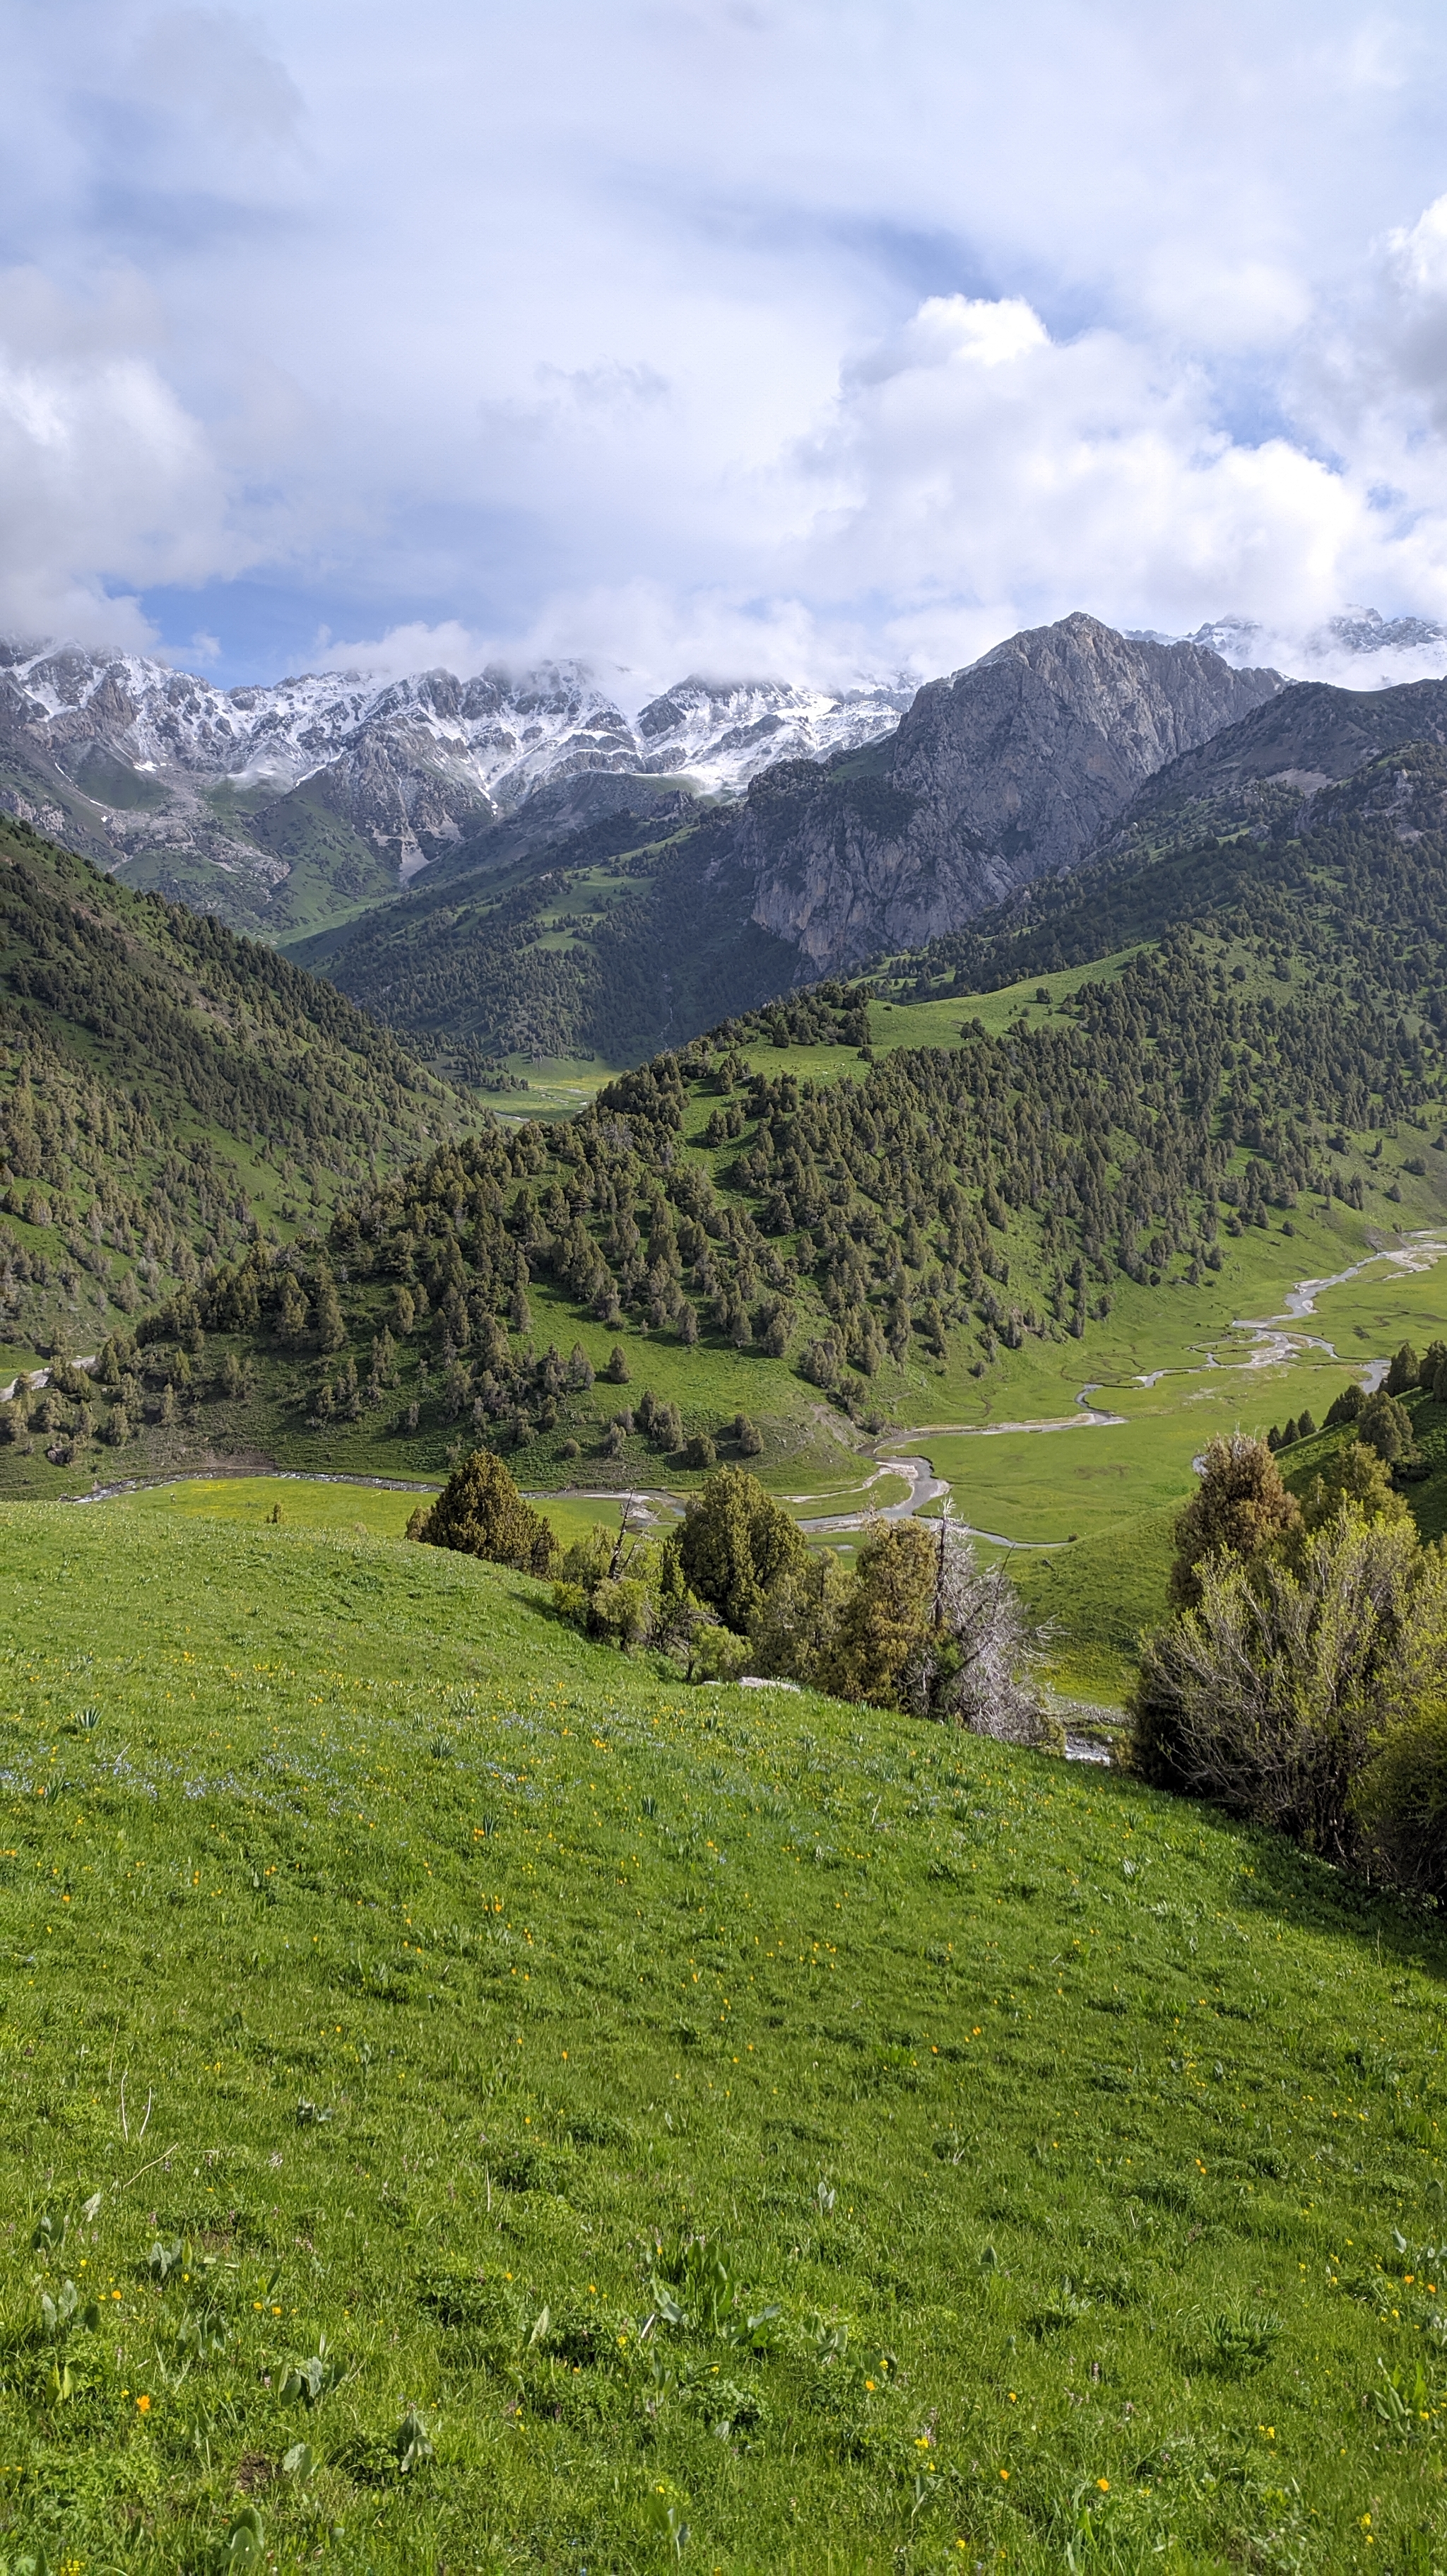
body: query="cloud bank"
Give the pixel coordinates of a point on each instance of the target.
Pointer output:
(742, 335)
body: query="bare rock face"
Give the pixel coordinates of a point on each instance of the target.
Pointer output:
(1005, 772)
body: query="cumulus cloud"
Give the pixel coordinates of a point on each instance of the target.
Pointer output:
(734, 337)
(105, 480)
(980, 469)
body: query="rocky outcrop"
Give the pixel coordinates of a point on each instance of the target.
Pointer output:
(1007, 771)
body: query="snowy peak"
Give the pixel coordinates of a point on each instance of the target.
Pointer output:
(1357, 649)
(370, 779)
(496, 735)
(722, 733)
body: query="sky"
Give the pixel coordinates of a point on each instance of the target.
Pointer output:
(752, 337)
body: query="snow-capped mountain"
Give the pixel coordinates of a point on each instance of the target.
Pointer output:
(401, 760)
(723, 733)
(1357, 649)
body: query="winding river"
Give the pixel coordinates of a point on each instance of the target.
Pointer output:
(1270, 1340)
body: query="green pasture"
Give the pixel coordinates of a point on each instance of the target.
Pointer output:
(875, 1493)
(557, 1086)
(1049, 1485)
(476, 2104)
(1045, 1485)
(935, 1023)
(249, 1502)
(1367, 1318)
(305, 1503)
(1094, 1599)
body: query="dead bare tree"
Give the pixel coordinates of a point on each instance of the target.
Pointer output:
(978, 1667)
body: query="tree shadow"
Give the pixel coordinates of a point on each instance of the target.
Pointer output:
(1312, 1895)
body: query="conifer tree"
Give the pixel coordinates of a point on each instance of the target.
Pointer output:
(1239, 1508)
(480, 1512)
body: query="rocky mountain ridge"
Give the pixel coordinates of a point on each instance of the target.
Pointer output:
(150, 770)
(1008, 771)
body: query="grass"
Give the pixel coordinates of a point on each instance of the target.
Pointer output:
(455, 1998)
(1038, 1486)
(348, 1510)
(1096, 1598)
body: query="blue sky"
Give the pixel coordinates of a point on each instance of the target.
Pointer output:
(743, 335)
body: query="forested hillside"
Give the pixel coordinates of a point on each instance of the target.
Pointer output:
(1345, 884)
(169, 1092)
(610, 943)
(796, 1208)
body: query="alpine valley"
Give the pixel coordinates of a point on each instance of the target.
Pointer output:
(518, 2060)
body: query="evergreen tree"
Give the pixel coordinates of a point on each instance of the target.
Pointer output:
(735, 1543)
(1239, 1508)
(481, 1512)
(1404, 1372)
(886, 1618)
(331, 1329)
(1386, 1426)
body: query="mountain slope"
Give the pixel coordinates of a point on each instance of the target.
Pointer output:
(285, 807)
(993, 777)
(610, 942)
(1005, 772)
(1330, 799)
(167, 1092)
(666, 2122)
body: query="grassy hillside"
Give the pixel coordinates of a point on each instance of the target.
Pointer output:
(271, 864)
(315, 867)
(167, 1090)
(619, 2108)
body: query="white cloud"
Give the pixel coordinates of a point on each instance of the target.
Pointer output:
(736, 333)
(989, 471)
(104, 478)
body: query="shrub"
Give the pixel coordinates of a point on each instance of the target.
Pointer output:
(1402, 1801)
(1269, 1695)
(748, 1439)
(700, 1451)
(630, 1590)
(617, 1371)
(481, 1512)
(1356, 1475)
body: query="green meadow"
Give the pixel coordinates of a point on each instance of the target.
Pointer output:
(476, 2104)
